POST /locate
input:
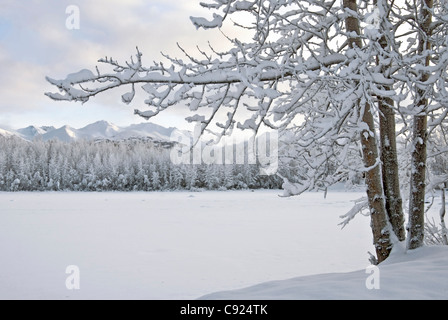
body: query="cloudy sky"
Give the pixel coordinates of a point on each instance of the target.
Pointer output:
(35, 42)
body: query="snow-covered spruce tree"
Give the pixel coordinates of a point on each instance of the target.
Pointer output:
(311, 71)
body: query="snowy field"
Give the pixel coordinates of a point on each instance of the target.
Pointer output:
(179, 245)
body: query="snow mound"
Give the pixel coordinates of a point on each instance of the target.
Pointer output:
(411, 275)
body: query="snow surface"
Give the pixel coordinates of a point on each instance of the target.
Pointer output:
(418, 274)
(184, 245)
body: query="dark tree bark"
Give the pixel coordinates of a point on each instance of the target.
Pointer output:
(390, 173)
(416, 225)
(389, 153)
(375, 193)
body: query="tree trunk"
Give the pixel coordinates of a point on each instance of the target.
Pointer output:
(390, 174)
(442, 216)
(389, 158)
(416, 225)
(375, 194)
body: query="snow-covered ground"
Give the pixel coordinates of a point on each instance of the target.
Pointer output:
(183, 245)
(420, 274)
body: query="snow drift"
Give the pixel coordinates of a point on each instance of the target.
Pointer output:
(417, 274)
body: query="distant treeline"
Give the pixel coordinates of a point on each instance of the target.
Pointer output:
(129, 165)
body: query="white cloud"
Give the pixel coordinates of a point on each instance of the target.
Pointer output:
(37, 43)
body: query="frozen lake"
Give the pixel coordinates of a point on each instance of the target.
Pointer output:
(172, 245)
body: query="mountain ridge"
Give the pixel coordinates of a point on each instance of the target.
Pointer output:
(99, 130)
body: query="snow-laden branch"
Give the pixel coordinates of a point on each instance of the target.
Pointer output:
(254, 76)
(358, 208)
(75, 86)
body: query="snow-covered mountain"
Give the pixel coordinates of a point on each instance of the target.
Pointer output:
(96, 131)
(6, 133)
(65, 133)
(99, 130)
(143, 129)
(30, 132)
